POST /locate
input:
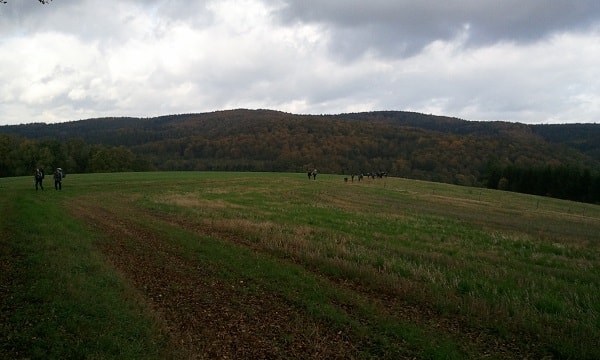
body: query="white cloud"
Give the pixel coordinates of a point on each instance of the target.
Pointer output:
(77, 59)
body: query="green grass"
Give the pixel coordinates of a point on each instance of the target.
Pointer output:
(63, 301)
(403, 268)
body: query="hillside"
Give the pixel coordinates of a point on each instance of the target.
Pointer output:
(403, 144)
(582, 137)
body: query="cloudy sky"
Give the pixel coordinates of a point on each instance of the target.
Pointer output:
(533, 61)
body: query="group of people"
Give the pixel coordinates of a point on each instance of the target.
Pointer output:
(313, 174)
(38, 176)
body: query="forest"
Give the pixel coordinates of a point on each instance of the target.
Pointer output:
(402, 144)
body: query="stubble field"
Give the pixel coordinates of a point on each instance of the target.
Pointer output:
(264, 265)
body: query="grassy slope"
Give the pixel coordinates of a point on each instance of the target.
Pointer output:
(402, 268)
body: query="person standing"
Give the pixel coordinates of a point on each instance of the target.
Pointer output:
(38, 176)
(58, 176)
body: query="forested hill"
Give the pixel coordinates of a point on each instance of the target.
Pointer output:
(582, 137)
(401, 143)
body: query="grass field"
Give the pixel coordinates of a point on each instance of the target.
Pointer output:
(264, 265)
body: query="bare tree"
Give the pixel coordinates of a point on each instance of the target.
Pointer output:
(41, 1)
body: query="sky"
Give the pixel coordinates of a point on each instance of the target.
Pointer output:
(534, 61)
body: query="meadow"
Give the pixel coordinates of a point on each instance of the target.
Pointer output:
(182, 265)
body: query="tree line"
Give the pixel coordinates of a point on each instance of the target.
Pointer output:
(20, 156)
(562, 181)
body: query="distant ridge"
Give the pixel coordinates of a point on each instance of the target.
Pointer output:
(401, 143)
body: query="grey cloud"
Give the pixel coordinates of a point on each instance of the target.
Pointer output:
(402, 28)
(93, 20)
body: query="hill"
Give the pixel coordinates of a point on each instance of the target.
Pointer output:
(400, 143)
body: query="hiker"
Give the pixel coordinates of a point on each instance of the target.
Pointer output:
(38, 176)
(58, 176)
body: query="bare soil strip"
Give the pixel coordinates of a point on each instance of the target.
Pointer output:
(207, 318)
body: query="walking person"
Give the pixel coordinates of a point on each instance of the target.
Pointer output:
(58, 176)
(38, 177)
